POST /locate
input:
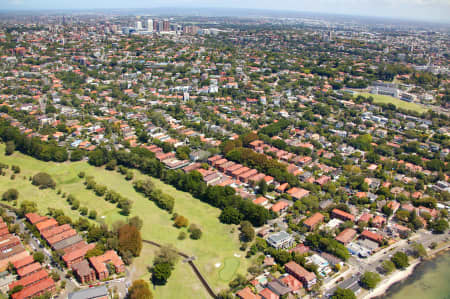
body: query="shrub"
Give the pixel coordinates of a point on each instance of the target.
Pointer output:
(195, 232)
(100, 190)
(182, 236)
(75, 204)
(140, 289)
(10, 148)
(43, 180)
(129, 176)
(111, 165)
(181, 221)
(93, 215)
(15, 169)
(10, 195)
(81, 174)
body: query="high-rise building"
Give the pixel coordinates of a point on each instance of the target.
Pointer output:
(155, 25)
(138, 25)
(150, 25)
(166, 26)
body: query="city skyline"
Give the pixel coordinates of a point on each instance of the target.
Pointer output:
(429, 10)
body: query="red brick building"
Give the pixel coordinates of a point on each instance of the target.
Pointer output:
(99, 263)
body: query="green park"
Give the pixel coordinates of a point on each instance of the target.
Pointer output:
(217, 253)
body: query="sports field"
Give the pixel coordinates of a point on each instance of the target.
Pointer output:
(218, 245)
(382, 99)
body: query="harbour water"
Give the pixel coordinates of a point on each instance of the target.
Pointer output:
(430, 280)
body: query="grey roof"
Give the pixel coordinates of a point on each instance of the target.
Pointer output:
(90, 293)
(279, 237)
(369, 244)
(278, 287)
(67, 242)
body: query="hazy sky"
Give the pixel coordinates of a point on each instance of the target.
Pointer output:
(438, 10)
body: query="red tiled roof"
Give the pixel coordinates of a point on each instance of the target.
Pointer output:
(292, 282)
(346, 235)
(343, 214)
(46, 224)
(30, 279)
(34, 289)
(68, 257)
(35, 218)
(23, 262)
(372, 236)
(260, 200)
(299, 271)
(99, 262)
(55, 231)
(268, 294)
(246, 293)
(29, 269)
(279, 206)
(314, 220)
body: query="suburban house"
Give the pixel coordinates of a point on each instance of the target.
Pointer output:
(280, 240)
(312, 222)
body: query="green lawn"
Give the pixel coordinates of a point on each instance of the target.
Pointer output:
(229, 268)
(217, 244)
(382, 99)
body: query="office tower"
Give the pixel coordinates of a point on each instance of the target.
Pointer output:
(155, 25)
(166, 25)
(138, 25)
(150, 25)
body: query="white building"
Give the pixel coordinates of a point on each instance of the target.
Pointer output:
(150, 25)
(280, 240)
(139, 26)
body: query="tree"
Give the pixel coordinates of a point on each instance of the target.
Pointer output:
(111, 165)
(230, 215)
(140, 289)
(43, 180)
(161, 273)
(96, 251)
(439, 226)
(369, 280)
(343, 294)
(181, 221)
(10, 195)
(224, 294)
(10, 148)
(130, 240)
(76, 155)
(262, 187)
(388, 266)
(17, 289)
(166, 254)
(400, 260)
(196, 232)
(136, 222)
(247, 231)
(39, 257)
(27, 206)
(418, 250)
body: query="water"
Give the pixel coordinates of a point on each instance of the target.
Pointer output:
(430, 280)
